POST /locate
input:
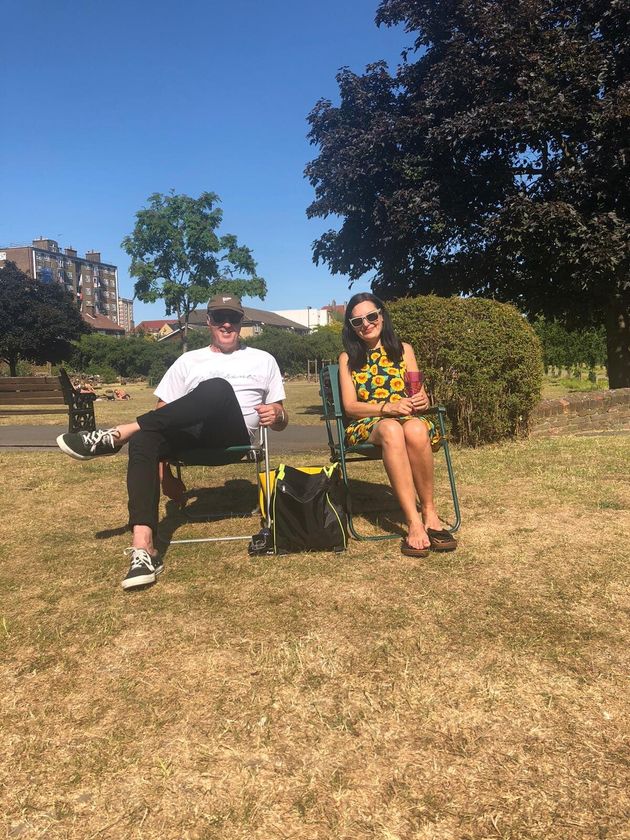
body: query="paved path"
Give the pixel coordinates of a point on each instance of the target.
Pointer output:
(292, 439)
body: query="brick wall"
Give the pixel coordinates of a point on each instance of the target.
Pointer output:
(592, 411)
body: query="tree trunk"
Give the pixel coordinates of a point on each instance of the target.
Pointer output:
(618, 338)
(13, 367)
(185, 337)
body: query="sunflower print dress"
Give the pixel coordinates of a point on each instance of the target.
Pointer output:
(377, 382)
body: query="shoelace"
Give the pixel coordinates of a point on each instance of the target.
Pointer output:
(140, 557)
(108, 437)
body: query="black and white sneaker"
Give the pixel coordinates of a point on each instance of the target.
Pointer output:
(144, 569)
(86, 445)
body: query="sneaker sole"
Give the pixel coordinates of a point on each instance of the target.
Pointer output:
(65, 448)
(142, 580)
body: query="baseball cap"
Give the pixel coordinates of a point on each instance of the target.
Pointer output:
(230, 302)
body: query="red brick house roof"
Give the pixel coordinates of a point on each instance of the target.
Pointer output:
(155, 326)
(102, 324)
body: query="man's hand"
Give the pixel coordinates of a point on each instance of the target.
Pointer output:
(272, 415)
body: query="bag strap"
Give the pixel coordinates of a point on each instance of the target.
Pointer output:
(328, 470)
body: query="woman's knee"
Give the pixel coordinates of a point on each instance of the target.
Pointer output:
(416, 434)
(390, 434)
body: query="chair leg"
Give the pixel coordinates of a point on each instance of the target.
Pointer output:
(451, 473)
(239, 514)
(353, 531)
(451, 480)
(378, 537)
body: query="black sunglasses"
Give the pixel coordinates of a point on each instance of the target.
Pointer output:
(370, 317)
(220, 316)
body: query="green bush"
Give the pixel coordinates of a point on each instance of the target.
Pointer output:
(106, 373)
(156, 372)
(128, 357)
(481, 359)
(564, 348)
(293, 351)
(24, 368)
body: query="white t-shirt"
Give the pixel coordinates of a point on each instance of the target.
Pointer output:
(253, 374)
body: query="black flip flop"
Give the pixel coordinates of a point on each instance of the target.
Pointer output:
(410, 551)
(441, 540)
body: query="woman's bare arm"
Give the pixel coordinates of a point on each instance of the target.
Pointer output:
(356, 409)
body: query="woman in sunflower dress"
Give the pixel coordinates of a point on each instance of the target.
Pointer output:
(372, 378)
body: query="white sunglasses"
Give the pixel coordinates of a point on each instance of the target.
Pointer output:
(370, 317)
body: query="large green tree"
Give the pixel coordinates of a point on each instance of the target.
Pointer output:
(494, 162)
(178, 255)
(38, 321)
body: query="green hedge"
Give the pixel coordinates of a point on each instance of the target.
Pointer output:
(570, 349)
(481, 359)
(292, 351)
(128, 356)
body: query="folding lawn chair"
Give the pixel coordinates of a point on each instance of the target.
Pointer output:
(339, 451)
(257, 453)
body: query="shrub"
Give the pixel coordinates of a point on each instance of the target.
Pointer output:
(292, 351)
(128, 357)
(106, 373)
(24, 368)
(481, 359)
(564, 348)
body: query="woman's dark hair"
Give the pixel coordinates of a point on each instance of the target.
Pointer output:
(355, 347)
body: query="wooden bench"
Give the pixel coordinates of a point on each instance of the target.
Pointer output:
(48, 391)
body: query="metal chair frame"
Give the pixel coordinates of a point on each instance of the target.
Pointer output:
(257, 453)
(336, 423)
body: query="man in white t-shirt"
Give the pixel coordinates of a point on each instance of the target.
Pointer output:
(214, 397)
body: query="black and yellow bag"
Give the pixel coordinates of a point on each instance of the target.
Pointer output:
(307, 509)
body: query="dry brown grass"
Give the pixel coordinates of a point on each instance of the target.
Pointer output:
(481, 694)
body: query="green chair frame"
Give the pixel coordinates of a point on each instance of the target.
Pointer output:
(336, 423)
(257, 453)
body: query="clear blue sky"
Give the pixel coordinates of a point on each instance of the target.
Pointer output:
(106, 103)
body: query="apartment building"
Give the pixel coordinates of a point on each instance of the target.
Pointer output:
(309, 317)
(93, 284)
(125, 314)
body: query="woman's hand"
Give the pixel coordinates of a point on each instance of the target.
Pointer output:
(407, 405)
(420, 401)
(400, 408)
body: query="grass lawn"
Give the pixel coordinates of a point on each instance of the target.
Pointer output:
(303, 404)
(554, 387)
(479, 694)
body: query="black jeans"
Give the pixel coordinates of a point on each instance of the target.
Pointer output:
(207, 417)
